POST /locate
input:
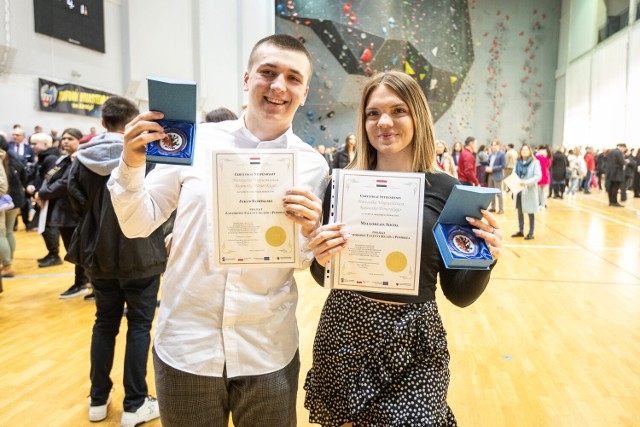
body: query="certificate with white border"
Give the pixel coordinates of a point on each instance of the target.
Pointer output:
(383, 211)
(249, 223)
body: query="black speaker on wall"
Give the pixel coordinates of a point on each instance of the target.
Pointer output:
(77, 22)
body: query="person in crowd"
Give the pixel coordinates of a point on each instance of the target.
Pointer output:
(528, 170)
(512, 156)
(219, 115)
(577, 170)
(456, 150)
(20, 146)
(47, 158)
(590, 163)
(559, 170)
(17, 181)
(54, 135)
(226, 338)
(615, 173)
(495, 174)
(630, 166)
(543, 156)
(4, 206)
(59, 213)
(93, 132)
(636, 177)
(326, 154)
(445, 160)
(601, 167)
(482, 161)
(122, 270)
(467, 163)
(346, 153)
(382, 359)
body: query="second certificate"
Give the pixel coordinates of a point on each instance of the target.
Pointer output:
(383, 211)
(250, 225)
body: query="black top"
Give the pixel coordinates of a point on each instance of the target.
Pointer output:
(54, 189)
(615, 165)
(559, 165)
(98, 244)
(341, 159)
(17, 177)
(47, 159)
(461, 287)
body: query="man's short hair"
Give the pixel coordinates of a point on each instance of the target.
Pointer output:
(283, 41)
(469, 140)
(622, 144)
(220, 115)
(117, 112)
(43, 138)
(510, 145)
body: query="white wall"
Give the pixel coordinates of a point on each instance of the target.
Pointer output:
(597, 84)
(601, 97)
(202, 40)
(583, 26)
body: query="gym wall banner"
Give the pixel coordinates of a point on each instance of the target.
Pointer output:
(70, 98)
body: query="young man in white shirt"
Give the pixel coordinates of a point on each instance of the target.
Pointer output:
(226, 339)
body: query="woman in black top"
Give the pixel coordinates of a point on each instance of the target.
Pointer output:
(346, 153)
(382, 359)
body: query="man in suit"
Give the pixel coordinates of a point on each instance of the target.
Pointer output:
(495, 172)
(20, 147)
(615, 173)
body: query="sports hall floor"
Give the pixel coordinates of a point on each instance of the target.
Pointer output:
(554, 341)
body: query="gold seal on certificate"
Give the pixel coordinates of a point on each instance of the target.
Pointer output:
(383, 211)
(248, 219)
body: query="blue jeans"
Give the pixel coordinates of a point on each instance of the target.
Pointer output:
(141, 298)
(587, 182)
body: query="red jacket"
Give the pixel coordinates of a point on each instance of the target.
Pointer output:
(467, 167)
(590, 161)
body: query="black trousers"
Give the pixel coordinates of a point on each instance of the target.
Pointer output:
(140, 295)
(51, 237)
(614, 187)
(66, 233)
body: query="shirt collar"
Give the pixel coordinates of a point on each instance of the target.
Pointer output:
(240, 128)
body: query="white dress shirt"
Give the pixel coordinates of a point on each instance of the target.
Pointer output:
(209, 316)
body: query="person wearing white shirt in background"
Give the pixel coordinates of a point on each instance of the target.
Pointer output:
(226, 338)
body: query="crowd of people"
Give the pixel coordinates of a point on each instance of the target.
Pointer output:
(559, 173)
(226, 342)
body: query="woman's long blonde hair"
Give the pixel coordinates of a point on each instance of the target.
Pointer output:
(424, 145)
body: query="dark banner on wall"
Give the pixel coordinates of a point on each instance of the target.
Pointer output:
(70, 98)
